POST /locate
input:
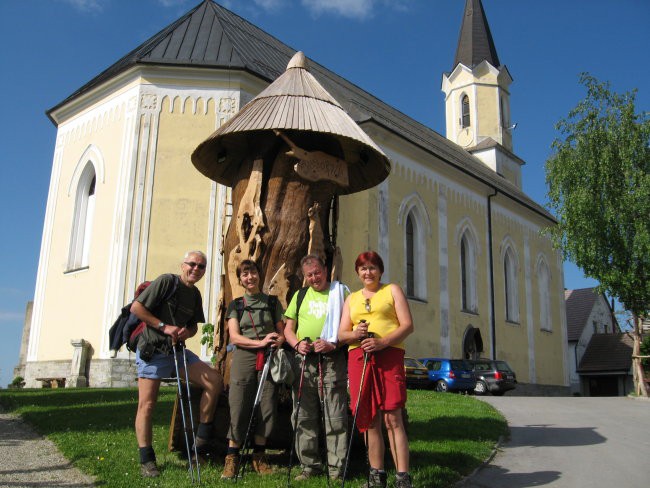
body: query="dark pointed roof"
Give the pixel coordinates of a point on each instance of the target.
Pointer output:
(607, 353)
(475, 42)
(579, 304)
(211, 36)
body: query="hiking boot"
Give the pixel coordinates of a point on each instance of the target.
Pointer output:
(304, 476)
(403, 481)
(149, 470)
(230, 467)
(261, 463)
(203, 451)
(376, 479)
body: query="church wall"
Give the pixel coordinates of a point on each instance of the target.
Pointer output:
(91, 136)
(488, 108)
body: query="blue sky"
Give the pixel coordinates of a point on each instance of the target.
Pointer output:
(395, 49)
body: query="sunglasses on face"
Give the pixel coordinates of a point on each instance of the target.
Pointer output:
(367, 305)
(192, 264)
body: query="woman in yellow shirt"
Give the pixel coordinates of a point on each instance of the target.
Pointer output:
(374, 322)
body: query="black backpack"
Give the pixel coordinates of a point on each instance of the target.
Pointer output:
(127, 327)
(271, 305)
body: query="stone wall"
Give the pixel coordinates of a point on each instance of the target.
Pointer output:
(102, 373)
(530, 389)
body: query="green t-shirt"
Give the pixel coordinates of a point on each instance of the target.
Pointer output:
(255, 307)
(311, 316)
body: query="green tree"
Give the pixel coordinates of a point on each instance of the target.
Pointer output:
(599, 187)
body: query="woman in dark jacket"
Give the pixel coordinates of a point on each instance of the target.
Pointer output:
(254, 324)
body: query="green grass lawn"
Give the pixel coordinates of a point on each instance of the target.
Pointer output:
(449, 436)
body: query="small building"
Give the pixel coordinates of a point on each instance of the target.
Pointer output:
(606, 366)
(588, 313)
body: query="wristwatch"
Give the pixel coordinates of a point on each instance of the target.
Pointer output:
(161, 325)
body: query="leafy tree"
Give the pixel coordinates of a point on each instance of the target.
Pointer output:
(599, 187)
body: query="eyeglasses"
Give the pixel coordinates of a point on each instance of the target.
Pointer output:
(192, 264)
(368, 305)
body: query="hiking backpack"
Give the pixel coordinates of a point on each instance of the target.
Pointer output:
(127, 327)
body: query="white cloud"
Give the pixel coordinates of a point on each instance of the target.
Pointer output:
(270, 4)
(93, 6)
(359, 9)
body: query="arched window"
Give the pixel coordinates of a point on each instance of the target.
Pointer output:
(468, 273)
(464, 111)
(544, 287)
(511, 286)
(412, 214)
(82, 222)
(410, 256)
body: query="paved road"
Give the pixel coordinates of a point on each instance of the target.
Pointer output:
(570, 442)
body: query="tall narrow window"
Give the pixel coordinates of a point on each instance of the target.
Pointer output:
(468, 251)
(463, 273)
(543, 283)
(511, 286)
(410, 256)
(82, 222)
(464, 110)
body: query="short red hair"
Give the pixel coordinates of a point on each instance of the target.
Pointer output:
(369, 257)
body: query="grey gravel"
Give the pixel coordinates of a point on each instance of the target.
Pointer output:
(29, 460)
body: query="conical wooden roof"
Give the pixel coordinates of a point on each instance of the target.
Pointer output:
(295, 101)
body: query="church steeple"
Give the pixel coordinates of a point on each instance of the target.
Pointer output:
(477, 97)
(475, 43)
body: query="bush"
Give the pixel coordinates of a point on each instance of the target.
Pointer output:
(18, 382)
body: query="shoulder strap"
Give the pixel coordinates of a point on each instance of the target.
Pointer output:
(239, 306)
(272, 306)
(301, 296)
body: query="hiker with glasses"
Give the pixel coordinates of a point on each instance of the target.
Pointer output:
(313, 317)
(255, 325)
(171, 307)
(375, 322)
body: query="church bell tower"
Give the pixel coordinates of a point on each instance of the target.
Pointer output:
(477, 97)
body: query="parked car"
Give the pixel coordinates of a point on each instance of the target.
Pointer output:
(493, 376)
(450, 374)
(416, 374)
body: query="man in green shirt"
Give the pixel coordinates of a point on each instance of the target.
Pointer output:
(313, 317)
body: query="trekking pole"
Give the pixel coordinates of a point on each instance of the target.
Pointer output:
(295, 419)
(256, 403)
(366, 356)
(190, 466)
(321, 387)
(180, 400)
(189, 402)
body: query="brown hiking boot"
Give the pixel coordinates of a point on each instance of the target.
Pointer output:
(230, 467)
(149, 470)
(261, 463)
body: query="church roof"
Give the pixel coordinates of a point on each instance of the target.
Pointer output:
(475, 43)
(211, 36)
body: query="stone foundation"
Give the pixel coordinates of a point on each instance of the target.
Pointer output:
(102, 373)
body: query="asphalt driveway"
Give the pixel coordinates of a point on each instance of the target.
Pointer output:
(570, 442)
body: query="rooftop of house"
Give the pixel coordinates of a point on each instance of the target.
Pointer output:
(607, 353)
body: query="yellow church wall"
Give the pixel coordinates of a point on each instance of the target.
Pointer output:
(488, 110)
(79, 290)
(181, 195)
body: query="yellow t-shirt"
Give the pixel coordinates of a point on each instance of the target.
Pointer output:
(382, 318)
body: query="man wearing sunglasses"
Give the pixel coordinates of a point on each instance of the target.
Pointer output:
(171, 308)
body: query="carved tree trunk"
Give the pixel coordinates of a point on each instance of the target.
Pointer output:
(271, 225)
